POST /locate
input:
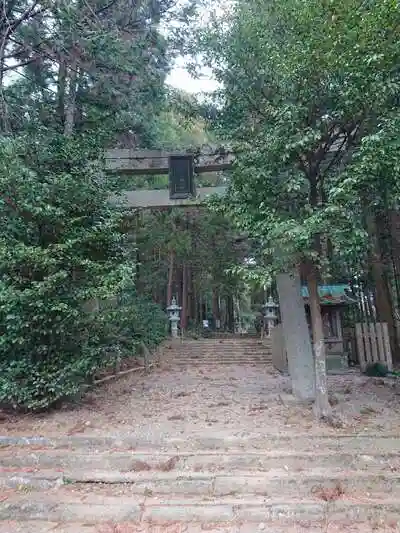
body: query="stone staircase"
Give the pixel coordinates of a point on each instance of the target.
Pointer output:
(185, 478)
(101, 485)
(221, 351)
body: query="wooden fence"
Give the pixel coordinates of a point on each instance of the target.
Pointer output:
(373, 344)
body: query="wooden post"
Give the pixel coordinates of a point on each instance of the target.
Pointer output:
(381, 346)
(373, 342)
(373, 345)
(360, 347)
(386, 342)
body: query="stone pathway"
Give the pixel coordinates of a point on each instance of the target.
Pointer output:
(217, 446)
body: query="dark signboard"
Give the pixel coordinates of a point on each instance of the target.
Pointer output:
(181, 177)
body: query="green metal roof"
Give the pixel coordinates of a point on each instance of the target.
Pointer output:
(332, 294)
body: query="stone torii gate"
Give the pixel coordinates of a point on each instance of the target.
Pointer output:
(181, 166)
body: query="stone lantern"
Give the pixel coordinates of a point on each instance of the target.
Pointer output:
(270, 314)
(174, 311)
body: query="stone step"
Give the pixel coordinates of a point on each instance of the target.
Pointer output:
(93, 508)
(211, 484)
(204, 345)
(270, 526)
(219, 349)
(277, 461)
(203, 354)
(217, 355)
(222, 352)
(363, 443)
(232, 353)
(223, 342)
(212, 362)
(221, 359)
(195, 353)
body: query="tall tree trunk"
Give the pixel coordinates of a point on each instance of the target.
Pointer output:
(215, 308)
(383, 299)
(184, 304)
(137, 253)
(190, 300)
(70, 105)
(4, 118)
(61, 90)
(170, 277)
(296, 336)
(394, 221)
(230, 310)
(196, 305)
(322, 407)
(79, 120)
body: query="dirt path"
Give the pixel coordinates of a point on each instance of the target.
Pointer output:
(214, 448)
(220, 400)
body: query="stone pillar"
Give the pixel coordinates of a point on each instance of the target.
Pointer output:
(296, 336)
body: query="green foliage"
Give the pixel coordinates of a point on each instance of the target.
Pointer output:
(133, 320)
(304, 82)
(60, 248)
(85, 76)
(378, 370)
(374, 173)
(101, 65)
(180, 125)
(200, 239)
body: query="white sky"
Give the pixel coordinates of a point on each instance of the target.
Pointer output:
(179, 78)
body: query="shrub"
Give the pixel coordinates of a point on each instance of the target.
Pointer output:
(131, 321)
(60, 246)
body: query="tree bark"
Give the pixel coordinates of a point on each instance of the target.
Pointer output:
(196, 305)
(170, 277)
(184, 319)
(383, 300)
(230, 314)
(70, 105)
(4, 119)
(61, 89)
(215, 308)
(322, 407)
(394, 221)
(296, 336)
(191, 295)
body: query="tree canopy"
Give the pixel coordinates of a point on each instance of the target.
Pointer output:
(304, 81)
(76, 77)
(310, 100)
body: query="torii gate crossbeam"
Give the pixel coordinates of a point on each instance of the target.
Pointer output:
(140, 162)
(153, 162)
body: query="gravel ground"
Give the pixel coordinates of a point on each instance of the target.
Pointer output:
(217, 401)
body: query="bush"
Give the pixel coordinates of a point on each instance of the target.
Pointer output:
(60, 247)
(132, 321)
